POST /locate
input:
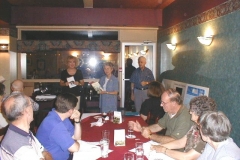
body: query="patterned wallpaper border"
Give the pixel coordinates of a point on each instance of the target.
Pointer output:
(8, 32)
(216, 12)
(108, 46)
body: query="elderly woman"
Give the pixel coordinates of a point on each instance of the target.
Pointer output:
(73, 85)
(109, 83)
(192, 143)
(150, 109)
(215, 129)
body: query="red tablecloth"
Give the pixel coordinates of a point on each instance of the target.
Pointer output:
(93, 134)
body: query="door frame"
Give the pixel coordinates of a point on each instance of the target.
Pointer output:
(122, 74)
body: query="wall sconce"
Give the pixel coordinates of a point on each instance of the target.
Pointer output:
(207, 40)
(171, 46)
(3, 47)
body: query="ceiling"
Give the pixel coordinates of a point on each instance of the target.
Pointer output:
(134, 4)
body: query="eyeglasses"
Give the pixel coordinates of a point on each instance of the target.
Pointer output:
(163, 103)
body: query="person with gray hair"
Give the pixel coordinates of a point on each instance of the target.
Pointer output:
(176, 120)
(19, 142)
(17, 87)
(215, 129)
(140, 79)
(109, 83)
(192, 142)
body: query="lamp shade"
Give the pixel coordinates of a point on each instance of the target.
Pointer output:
(3, 47)
(207, 40)
(171, 46)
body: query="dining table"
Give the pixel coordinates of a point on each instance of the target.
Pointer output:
(94, 134)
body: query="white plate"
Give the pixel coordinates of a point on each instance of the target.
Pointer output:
(97, 117)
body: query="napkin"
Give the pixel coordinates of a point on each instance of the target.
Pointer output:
(150, 154)
(87, 149)
(98, 123)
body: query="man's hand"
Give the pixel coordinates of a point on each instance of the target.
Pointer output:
(75, 115)
(146, 132)
(47, 155)
(144, 83)
(158, 148)
(135, 126)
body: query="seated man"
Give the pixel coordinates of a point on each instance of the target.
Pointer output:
(176, 120)
(19, 142)
(192, 142)
(17, 87)
(56, 132)
(215, 129)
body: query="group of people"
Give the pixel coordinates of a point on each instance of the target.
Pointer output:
(188, 131)
(200, 132)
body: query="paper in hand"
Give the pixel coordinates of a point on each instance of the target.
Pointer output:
(97, 87)
(71, 81)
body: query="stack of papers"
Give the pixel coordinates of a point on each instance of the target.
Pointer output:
(87, 149)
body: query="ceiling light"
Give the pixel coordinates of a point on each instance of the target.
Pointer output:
(90, 34)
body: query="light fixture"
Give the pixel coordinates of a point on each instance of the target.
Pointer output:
(3, 47)
(90, 34)
(206, 40)
(171, 46)
(143, 52)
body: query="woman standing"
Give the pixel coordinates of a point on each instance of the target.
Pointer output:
(73, 85)
(109, 83)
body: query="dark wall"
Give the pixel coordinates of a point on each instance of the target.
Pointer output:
(86, 16)
(5, 13)
(215, 66)
(181, 10)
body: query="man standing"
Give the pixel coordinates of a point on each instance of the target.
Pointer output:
(56, 132)
(140, 79)
(177, 120)
(19, 142)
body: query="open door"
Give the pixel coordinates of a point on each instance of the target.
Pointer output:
(134, 51)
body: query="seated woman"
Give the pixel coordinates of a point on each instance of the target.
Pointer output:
(151, 110)
(192, 142)
(215, 129)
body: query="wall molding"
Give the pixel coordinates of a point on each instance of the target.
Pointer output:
(211, 14)
(107, 46)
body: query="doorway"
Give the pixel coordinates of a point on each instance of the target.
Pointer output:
(134, 51)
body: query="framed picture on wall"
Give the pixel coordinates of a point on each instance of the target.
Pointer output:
(41, 64)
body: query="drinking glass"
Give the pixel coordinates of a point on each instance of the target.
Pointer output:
(104, 144)
(111, 114)
(128, 156)
(105, 134)
(130, 133)
(139, 151)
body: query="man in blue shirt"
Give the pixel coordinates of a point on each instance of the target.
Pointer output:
(56, 132)
(140, 79)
